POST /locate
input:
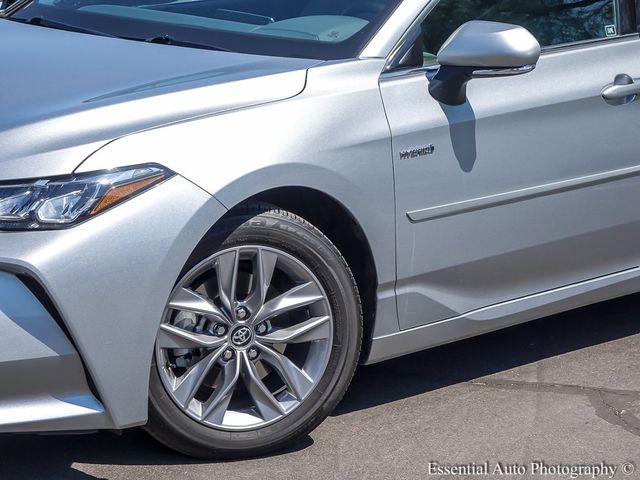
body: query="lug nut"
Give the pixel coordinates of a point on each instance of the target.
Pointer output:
(252, 353)
(242, 313)
(261, 329)
(227, 355)
(220, 330)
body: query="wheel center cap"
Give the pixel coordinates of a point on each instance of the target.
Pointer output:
(241, 336)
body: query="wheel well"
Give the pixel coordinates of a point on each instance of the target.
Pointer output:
(336, 222)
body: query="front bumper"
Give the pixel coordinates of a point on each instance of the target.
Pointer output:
(41, 374)
(108, 279)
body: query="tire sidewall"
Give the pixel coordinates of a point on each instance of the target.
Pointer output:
(292, 235)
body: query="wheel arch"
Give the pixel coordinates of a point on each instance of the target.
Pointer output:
(334, 220)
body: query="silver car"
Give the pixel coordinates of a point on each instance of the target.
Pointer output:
(213, 210)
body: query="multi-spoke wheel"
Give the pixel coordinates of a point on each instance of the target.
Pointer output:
(258, 342)
(246, 336)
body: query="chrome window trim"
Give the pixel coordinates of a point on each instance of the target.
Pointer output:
(588, 43)
(409, 72)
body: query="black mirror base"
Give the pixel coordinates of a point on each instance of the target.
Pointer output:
(449, 85)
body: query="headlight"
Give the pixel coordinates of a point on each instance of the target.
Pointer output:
(62, 202)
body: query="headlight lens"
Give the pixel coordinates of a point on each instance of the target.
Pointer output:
(62, 202)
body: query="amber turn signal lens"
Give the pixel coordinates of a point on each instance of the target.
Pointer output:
(122, 192)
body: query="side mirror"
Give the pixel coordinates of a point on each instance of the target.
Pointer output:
(481, 49)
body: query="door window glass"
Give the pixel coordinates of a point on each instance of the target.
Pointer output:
(552, 22)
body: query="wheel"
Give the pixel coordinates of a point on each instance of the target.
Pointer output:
(259, 340)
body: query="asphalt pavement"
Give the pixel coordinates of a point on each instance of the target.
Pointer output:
(561, 392)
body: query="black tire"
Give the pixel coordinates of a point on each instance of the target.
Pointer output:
(271, 227)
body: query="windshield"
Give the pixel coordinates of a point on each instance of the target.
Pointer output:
(317, 29)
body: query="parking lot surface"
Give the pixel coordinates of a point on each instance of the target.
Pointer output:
(561, 390)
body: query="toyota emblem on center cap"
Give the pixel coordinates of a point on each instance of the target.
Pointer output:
(241, 336)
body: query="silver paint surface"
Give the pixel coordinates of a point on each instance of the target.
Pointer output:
(490, 44)
(527, 206)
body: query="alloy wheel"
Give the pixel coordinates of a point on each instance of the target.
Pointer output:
(245, 337)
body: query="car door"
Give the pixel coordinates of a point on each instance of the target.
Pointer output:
(531, 185)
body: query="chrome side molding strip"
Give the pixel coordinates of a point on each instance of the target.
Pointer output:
(481, 203)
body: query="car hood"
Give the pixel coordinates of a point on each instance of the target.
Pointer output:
(64, 94)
